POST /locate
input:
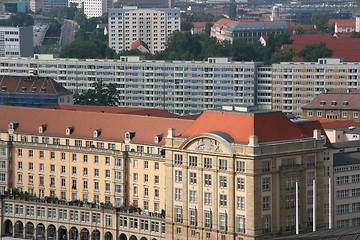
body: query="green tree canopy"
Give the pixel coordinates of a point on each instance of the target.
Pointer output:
(18, 19)
(101, 95)
(232, 10)
(186, 26)
(283, 55)
(312, 52)
(320, 22)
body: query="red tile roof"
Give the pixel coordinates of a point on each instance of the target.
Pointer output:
(336, 123)
(342, 46)
(113, 126)
(343, 22)
(199, 24)
(343, 99)
(119, 110)
(268, 127)
(31, 84)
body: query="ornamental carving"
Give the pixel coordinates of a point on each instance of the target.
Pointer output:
(206, 145)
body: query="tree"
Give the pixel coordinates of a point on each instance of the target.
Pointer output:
(312, 52)
(273, 44)
(300, 30)
(186, 26)
(81, 35)
(18, 20)
(207, 30)
(283, 55)
(355, 35)
(101, 95)
(320, 22)
(232, 10)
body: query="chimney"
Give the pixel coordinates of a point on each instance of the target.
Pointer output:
(348, 91)
(253, 141)
(171, 133)
(317, 133)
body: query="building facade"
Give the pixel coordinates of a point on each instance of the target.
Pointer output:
(93, 8)
(152, 26)
(225, 175)
(16, 41)
(46, 5)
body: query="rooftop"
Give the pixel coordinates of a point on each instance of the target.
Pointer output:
(241, 26)
(336, 99)
(333, 234)
(346, 158)
(347, 144)
(31, 84)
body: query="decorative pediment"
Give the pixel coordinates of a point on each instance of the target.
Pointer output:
(208, 144)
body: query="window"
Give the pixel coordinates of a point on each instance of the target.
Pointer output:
(208, 220)
(266, 203)
(266, 224)
(146, 164)
(356, 114)
(193, 196)
(135, 163)
(207, 198)
(31, 153)
(178, 194)
(96, 172)
(240, 166)
(156, 166)
(74, 157)
(240, 224)
(107, 160)
(223, 200)
(63, 169)
(193, 161)
(156, 179)
(107, 173)
(207, 162)
(73, 170)
(222, 164)
(96, 186)
(20, 166)
(41, 167)
(310, 197)
(19, 152)
(178, 215)
(265, 166)
(178, 159)
(223, 224)
(192, 178)
(135, 176)
(241, 184)
(266, 184)
(207, 179)
(96, 159)
(63, 156)
(223, 182)
(146, 178)
(240, 202)
(52, 155)
(52, 168)
(41, 154)
(178, 176)
(85, 158)
(310, 178)
(310, 161)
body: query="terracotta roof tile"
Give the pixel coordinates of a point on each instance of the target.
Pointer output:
(268, 127)
(343, 22)
(113, 126)
(119, 110)
(31, 84)
(199, 24)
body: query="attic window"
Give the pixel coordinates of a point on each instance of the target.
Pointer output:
(69, 130)
(13, 125)
(3, 88)
(97, 133)
(157, 138)
(333, 103)
(23, 89)
(42, 128)
(322, 103)
(43, 89)
(129, 134)
(345, 103)
(33, 89)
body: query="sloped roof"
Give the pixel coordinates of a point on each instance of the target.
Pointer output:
(241, 26)
(335, 123)
(346, 158)
(118, 110)
(341, 45)
(199, 24)
(267, 126)
(31, 84)
(343, 22)
(336, 99)
(113, 126)
(223, 21)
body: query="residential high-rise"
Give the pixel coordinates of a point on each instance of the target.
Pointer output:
(46, 5)
(152, 26)
(93, 8)
(16, 41)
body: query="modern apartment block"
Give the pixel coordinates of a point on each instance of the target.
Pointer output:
(46, 5)
(93, 8)
(152, 26)
(181, 87)
(226, 175)
(16, 41)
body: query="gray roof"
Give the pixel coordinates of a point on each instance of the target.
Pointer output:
(346, 158)
(245, 26)
(355, 130)
(334, 234)
(347, 144)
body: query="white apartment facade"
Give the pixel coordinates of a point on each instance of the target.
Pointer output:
(16, 41)
(93, 8)
(153, 26)
(181, 87)
(46, 5)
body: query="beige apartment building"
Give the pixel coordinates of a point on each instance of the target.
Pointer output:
(226, 175)
(152, 26)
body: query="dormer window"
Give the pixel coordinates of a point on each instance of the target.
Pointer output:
(69, 131)
(13, 125)
(3, 88)
(157, 138)
(333, 103)
(345, 103)
(33, 89)
(129, 134)
(23, 89)
(43, 89)
(42, 128)
(97, 133)
(322, 103)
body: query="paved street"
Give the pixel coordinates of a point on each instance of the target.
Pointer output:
(39, 31)
(68, 32)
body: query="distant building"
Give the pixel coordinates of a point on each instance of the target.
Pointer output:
(16, 42)
(252, 31)
(343, 25)
(140, 46)
(303, 16)
(32, 92)
(46, 5)
(335, 104)
(198, 28)
(150, 3)
(153, 26)
(93, 8)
